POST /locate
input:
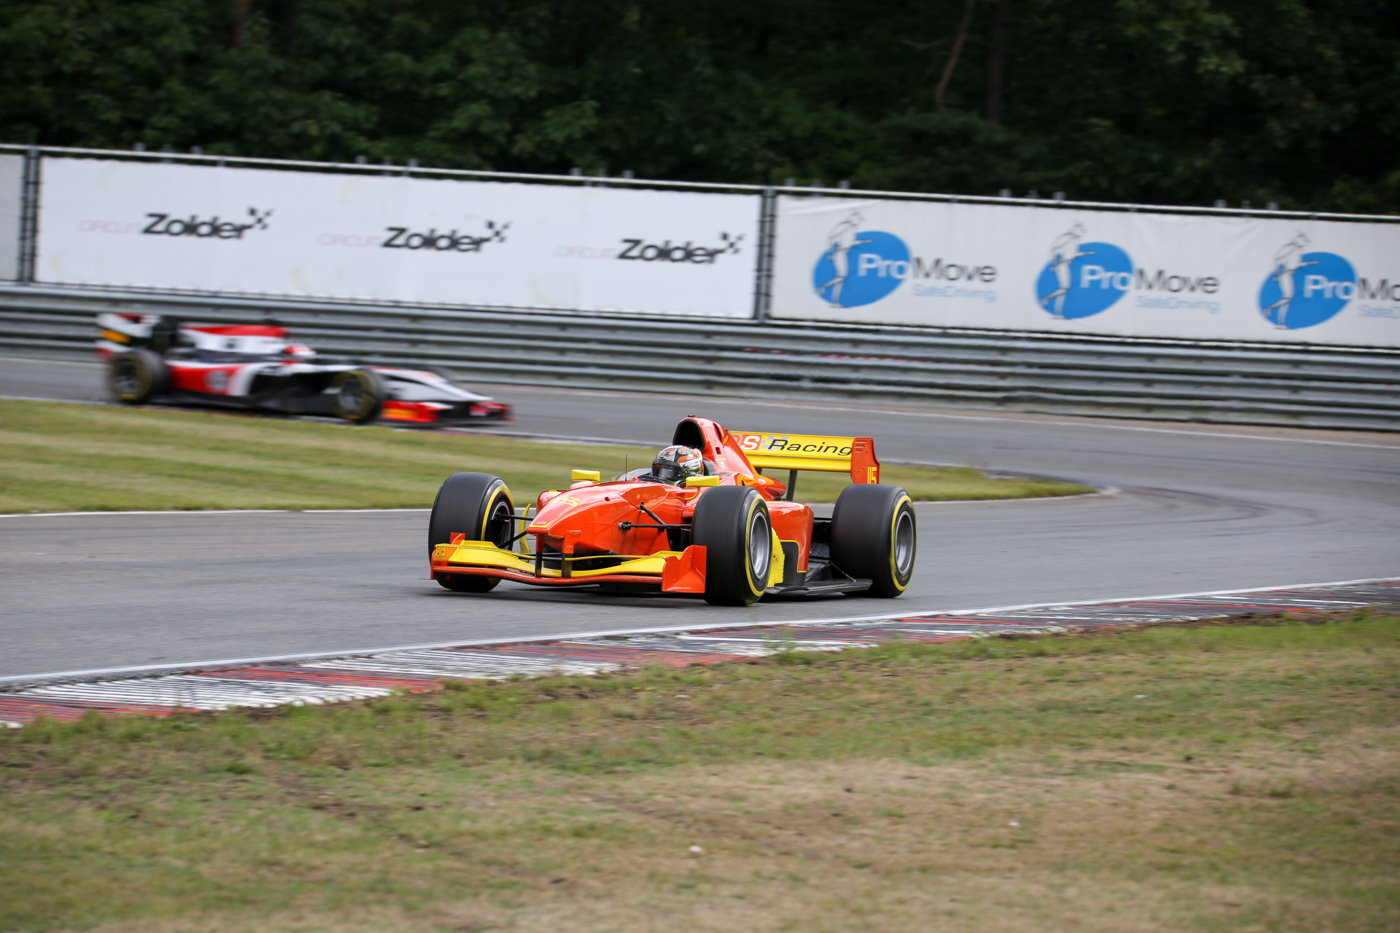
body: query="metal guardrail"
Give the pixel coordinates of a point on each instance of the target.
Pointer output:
(1241, 384)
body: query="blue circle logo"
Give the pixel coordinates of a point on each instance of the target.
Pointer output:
(1082, 279)
(859, 267)
(1305, 289)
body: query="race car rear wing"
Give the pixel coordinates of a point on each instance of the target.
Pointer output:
(793, 452)
(117, 333)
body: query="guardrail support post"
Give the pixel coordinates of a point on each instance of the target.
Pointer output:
(29, 216)
(763, 270)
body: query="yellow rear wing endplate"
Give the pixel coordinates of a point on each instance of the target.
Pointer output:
(774, 451)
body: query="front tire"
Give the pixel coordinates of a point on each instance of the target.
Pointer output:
(874, 536)
(137, 376)
(461, 583)
(358, 395)
(733, 525)
(479, 506)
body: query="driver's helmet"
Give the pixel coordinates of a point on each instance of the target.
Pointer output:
(298, 351)
(673, 464)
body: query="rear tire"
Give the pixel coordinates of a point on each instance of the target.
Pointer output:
(732, 523)
(479, 506)
(874, 536)
(358, 395)
(137, 376)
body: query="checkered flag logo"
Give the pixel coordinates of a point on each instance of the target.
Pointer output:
(497, 231)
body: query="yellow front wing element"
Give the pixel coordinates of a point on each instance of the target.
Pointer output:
(486, 554)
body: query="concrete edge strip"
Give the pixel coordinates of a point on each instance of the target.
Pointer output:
(152, 670)
(319, 682)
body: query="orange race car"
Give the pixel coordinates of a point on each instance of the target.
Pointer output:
(703, 519)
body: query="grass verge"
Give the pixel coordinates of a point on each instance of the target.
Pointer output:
(61, 457)
(1231, 777)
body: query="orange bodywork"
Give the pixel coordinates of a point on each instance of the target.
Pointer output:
(585, 534)
(412, 412)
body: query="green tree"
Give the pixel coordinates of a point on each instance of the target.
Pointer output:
(1145, 101)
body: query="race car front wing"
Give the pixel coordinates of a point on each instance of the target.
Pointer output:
(671, 571)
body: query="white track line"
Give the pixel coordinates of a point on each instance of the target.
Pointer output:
(213, 512)
(152, 669)
(65, 401)
(1012, 418)
(901, 413)
(91, 364)
(1106, 491)
(475, 431)
(1087, 424)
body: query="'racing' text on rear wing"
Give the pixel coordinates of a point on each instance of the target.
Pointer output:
(774, 451)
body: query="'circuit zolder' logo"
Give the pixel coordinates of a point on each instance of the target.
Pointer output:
(212, 228)
(450, 241)
(1081, 279)
(1304, 289)
(637, 249)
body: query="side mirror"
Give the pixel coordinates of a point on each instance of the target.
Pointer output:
(702, 480)
(586, 476)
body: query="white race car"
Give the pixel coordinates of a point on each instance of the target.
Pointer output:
(153, 357)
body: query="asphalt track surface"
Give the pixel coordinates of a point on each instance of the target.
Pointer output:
(1192, 509)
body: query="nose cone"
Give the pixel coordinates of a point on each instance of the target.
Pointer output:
(588, 519)
(587, 507)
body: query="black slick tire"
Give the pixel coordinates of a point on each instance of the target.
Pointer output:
(874, 537)
(479, 506)
(358, 395)
(137, 376)
(733, 525)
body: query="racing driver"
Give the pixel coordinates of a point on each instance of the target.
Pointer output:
(673, 464)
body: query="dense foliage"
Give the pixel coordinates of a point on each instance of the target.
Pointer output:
(1175, 101)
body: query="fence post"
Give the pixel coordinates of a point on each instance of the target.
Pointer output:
(29, 216)
(763, 269)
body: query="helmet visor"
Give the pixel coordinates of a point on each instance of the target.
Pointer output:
(668, 471)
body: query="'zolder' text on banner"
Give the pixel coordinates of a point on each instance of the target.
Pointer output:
(395, 238)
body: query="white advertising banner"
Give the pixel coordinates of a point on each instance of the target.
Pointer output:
(11, 199)
(393, 238)
(1075, 271)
